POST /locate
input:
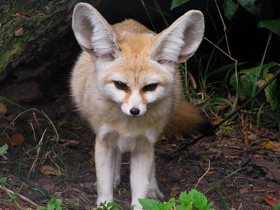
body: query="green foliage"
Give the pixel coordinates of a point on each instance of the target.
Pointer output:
(272, 25)
(194, 200)
(3, 180)
(255, 7)
(230, 9)
(259, 75)
(247, 79)
(12, 197)
(12, 103)
(149, 204)
(55, 204)
(270, 90)
(244, 81)
(176, 3)
(3, 149)
(277, 206)
(106, 206)
(251, 5)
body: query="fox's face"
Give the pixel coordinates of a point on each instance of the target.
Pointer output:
(134, 80)
(136, 68)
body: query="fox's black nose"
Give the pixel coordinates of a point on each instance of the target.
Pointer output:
(134, 111)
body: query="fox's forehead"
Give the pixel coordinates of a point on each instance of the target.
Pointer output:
(134, 65)
(136, 45)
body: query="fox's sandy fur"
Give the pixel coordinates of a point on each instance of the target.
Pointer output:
(127, 86)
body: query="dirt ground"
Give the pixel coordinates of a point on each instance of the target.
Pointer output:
(253, 150)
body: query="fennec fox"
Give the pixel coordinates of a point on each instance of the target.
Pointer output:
(126, 84)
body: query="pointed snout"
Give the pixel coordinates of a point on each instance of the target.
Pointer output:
(135, 105)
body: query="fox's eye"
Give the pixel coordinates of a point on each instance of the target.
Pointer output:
(150, 87)
(121, 86)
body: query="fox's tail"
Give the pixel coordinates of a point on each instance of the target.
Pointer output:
(186, 120)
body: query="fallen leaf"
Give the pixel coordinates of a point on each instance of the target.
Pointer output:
(42, 14)
(3, 109)
(271, 201)
(68, 143)
(61, 123)
(17, 139)
(268, 145)
(92, 159)
(276, 147)
(252, 136)
(19, 32)
(15, 15)
(49, 170)
(214, 152)
(244, 190)
(175, 191)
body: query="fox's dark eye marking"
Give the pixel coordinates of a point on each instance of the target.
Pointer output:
(150, 87)
(121, 86)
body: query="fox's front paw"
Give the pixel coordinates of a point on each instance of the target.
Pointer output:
(155, 194)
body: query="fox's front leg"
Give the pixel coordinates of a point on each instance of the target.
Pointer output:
(105, 163)
(142, 159)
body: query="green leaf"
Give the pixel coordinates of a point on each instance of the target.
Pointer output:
(207, 207)
(113, 206)
(272, 25)
(277, 206)
(41, 208)
(149, 204)
(169, 204)
(230, 9)
(184, 207)
(270, 90)
(56, 201)
(177, 3)
(200, 200)
(3, 149)
(246, 79)
(185, 198)
(50, 206)
(3, 180)
(252, 6)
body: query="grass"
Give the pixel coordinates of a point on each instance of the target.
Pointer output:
(42, 147)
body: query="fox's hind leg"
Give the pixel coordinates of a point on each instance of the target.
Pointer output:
(117, 179)
(154, 192)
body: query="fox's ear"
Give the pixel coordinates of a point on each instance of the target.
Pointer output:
(179, 41)
(93, 32)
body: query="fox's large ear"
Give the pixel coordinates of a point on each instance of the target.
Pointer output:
(179, 41)
(93, 32)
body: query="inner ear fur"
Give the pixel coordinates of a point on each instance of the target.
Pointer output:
(93, 32)
(179, 41)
